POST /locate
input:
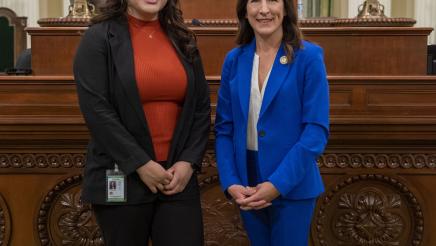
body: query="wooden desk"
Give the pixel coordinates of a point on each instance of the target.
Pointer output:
(381, 150)
(348, 50)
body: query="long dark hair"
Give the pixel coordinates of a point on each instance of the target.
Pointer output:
(170, 18)
(292, 35)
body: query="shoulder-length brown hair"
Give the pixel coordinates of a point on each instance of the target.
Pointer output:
(292, 35)
(170, 18)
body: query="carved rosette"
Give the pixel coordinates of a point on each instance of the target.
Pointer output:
(42, 160)
(405, 161)
(5, 223)
(369, 210)
(64, 220)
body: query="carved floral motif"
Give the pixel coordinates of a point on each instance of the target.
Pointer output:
(368, 210)
(64, 220)
(77, 223)
(370, 218)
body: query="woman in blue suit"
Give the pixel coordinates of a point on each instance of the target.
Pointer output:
(272, 123)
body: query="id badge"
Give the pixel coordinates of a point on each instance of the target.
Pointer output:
(115, 185)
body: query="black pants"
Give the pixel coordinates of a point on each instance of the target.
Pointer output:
(166, 223)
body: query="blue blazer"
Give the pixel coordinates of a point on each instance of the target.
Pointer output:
(293, 122)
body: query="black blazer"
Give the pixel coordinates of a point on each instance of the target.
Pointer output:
(110, 103)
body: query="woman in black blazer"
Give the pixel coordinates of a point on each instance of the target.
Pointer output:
(136, 197)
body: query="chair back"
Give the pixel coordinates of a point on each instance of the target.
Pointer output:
(13, 37)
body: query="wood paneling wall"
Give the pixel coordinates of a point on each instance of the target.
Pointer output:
(380, 162)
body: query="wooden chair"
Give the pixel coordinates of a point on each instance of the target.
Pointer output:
(13, 37)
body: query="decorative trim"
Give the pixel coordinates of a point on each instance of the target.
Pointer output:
(382, 22)
(405, 161)
(211, 22)
(329, 160)
(313, 22)
(74, 223)
(42, 160)
(371, 202)
(5, 223)
(64, 21)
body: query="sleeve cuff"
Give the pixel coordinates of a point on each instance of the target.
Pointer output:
(280, 184)
(130, 165)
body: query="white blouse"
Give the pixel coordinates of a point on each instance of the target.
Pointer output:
(256, 97)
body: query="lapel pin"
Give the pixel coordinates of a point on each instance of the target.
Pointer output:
(283, 60)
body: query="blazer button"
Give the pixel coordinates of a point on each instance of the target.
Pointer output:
(262, 134)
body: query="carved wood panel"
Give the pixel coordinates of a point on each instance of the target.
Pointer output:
(369, 210)
(5, 223)
(64, 220)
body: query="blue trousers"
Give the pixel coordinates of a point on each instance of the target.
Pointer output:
(284, 223)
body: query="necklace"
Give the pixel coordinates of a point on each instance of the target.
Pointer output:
(150, 35)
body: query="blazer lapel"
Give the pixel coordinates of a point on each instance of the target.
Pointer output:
(278, 75)
(188, 107)
(244, 71)
(122, 57)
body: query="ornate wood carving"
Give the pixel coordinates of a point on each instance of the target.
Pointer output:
(382, 22)
(329, 160)
(369, 210)
(64, 220)
(42, 160)
(222, 223)
(66, 21)
(388, 160)
(315, 22)
(5, 223)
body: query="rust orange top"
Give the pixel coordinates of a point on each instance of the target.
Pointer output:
(161, 81)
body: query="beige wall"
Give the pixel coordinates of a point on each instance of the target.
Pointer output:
(394, 8)
(340, 8)
(403, 8)
(51, 8)
(421, 10)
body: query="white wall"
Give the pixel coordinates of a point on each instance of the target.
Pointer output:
(36, 9)
(425, 15)
(27, 8)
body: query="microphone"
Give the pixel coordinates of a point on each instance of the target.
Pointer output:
(196, 22)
